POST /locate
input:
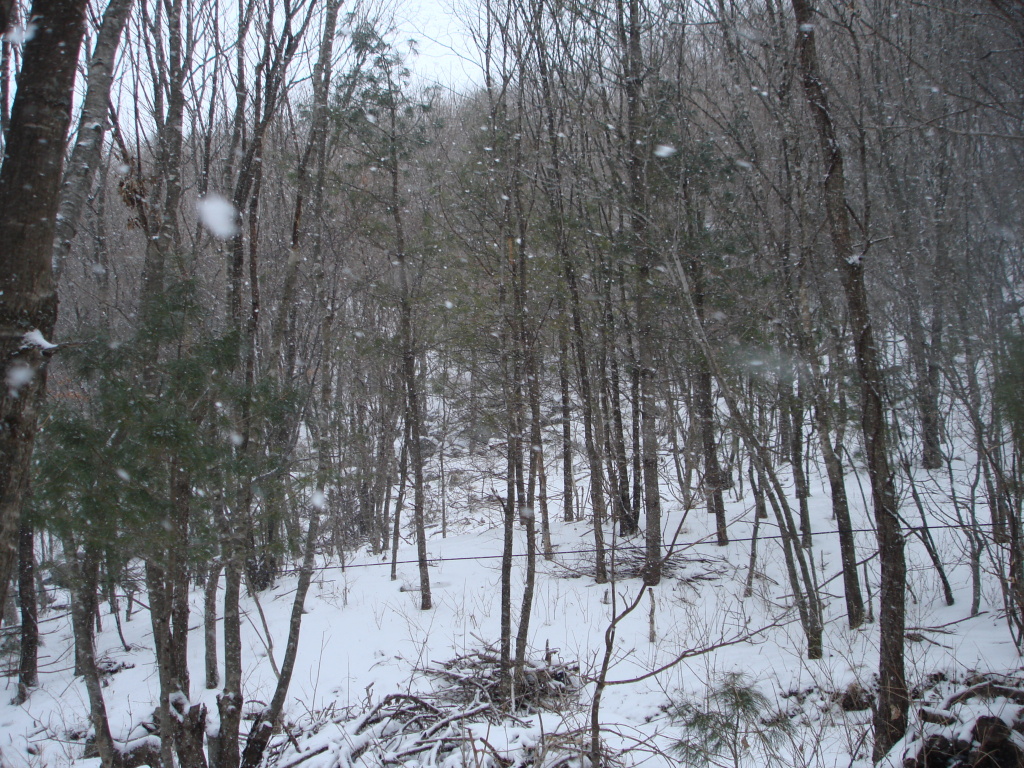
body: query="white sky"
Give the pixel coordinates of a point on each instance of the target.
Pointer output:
(442, 42)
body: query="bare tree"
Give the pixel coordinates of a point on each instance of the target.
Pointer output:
(29, 196)
(890, 718)
(85, 156)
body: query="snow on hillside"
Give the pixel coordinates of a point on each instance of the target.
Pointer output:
(363, 638)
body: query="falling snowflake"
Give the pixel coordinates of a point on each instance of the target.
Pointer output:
(219, 216)
(21, 35)
(18, 376)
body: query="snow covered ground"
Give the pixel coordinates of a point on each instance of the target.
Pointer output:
(363, 638)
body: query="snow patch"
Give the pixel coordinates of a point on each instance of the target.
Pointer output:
(35, 338)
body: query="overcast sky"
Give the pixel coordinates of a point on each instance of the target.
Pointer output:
(442, 42)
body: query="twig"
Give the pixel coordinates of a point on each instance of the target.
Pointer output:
(456, 717)
(935, 716)
(691, 652)
(940, 627)
(269, 642)
(988, 690)
(303, 758)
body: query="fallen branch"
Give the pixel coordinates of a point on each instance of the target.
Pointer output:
(405, 727)
(305, 756)
(987, 690)
(937, 717)
(700, 651)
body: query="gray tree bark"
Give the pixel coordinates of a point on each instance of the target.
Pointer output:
(29, 195)
(28, 663)
(85, 157)
(552, 184)
(890, 714)
(83, 598)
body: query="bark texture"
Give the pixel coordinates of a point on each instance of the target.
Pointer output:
(890, 715)
(85, 157)
(28, 666)
(29, 194)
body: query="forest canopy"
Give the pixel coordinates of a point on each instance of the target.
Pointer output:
(654, 254)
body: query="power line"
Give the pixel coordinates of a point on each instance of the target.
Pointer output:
(616, 548)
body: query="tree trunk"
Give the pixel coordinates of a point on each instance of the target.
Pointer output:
(6, 15)
(28, 673)
(263, 726)
(890, 714)
(841, 511)
(163, 233)
(210, 625)
(626, 513)
(523, 630)
(29, 196)
(538, 472)
(637, 150)
(712, 469)
(160, 599)
(85, 157)
(759, 512)
(508, 521)
(178, 576)
(801, 573)
(83, 591)
(704, 404)
(553, 190)
(793, 409)
(568, 475)
(822, 413)
(403, 479)
(413, 404)
(6, 65)
(224, 747)
(189, 733)
(315, 150)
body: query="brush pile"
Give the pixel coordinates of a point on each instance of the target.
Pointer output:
(478, 677)
(399, 729)
(980, 725)
(630, 562)
(407, 730)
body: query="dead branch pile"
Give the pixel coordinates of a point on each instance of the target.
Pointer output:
(981, 724)
(630, 562)
(478, 677)
(403, 729)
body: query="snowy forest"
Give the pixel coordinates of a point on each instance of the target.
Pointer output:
(655, 397)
